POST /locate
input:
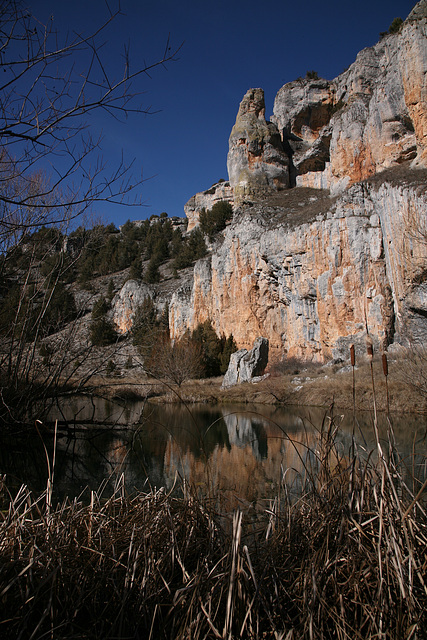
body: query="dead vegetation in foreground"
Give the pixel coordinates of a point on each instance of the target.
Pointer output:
(346, 559)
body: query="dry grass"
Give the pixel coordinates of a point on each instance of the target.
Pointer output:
(346, 559)
(300, 383)
(401, 175)
(293, 382)
(292, 207)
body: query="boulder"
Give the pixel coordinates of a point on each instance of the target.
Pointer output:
(244, 364)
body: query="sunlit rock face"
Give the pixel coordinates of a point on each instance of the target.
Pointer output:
(256, 159)
(312, 288)
(206, 200)
(370, 118)
(413, 67)
(312, 279)
(126, 302)
(302, 113)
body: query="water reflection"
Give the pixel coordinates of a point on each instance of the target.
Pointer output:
(247, 451)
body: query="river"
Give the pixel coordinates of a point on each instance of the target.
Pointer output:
(246, 451)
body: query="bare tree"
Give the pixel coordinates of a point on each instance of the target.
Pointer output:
(49, 91)
(175, 361)
(50, 173)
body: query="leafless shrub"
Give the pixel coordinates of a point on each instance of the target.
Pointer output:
(50, 87)
(175, 361)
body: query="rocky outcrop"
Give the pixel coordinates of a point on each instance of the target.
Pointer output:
(413, 67)
(313, 270)
(256, 159)
(332, 134)
(313, 280)
(245, 365)
(206, 200)
(370, 118)
(302, 112)
(126, 302)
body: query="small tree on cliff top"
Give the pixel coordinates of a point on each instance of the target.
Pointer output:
(214, 220)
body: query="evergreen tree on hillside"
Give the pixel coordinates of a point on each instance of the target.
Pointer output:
(216, 351)
(101, 331)
(214, 220)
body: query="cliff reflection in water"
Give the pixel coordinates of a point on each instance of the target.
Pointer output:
(247, 460)
(246, 451)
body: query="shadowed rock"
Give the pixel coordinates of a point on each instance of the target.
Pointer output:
(244, 364)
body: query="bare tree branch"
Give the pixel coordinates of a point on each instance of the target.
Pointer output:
(51, 87)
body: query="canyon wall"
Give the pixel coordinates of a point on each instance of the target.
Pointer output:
(313, 288)
(329, 235)
(371, 117)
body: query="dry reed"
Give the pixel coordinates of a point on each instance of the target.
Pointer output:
(346, 559)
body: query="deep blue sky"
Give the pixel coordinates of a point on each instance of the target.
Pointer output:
(228, 48)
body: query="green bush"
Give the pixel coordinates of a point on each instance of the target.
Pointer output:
(216, 351)
(102, 332)
(100, 308)
(135, 271)
(110, 368)
(395, 25)
(110, 290)
(152, 273)
(148, 327)
(187, 251)
(214, 220)
(60, 309)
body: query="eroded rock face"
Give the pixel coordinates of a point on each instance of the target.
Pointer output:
(245, 365)
(126, 302)
(413, 67)
(206, 200)
(302, 113)
(370, 118)
(312, 287)
(309, 279)
(256, 159)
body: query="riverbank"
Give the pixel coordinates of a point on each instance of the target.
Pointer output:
(345, 559)
(403, 390)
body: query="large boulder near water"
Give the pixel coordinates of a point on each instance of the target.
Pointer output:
(245, 365)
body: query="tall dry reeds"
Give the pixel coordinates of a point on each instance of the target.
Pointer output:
(346, 559)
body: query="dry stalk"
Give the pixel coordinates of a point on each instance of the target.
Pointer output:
(346, 559)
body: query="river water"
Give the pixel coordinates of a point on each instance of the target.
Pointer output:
(244, 451)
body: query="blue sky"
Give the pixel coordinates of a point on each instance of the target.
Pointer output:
(227, 48)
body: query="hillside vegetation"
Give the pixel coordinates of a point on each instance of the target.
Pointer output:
(56, 316)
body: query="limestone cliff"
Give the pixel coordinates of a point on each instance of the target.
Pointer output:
(256, 159)
(206, 200)
(312, 281)
(332, 134)
(126, 302)
(370, 118)
(329, 233)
